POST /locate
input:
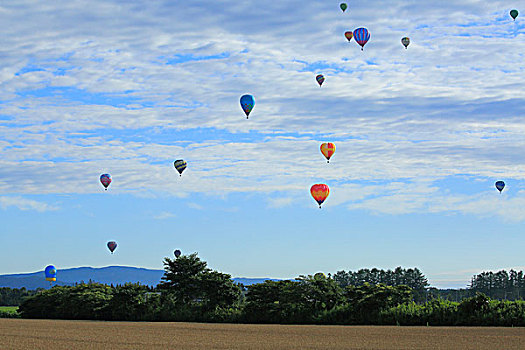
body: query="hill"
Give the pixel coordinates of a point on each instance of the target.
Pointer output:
(109, 275)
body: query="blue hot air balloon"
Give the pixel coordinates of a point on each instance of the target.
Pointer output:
(247, 103)
(177, 253)
(361, 36)
(51, 273)
(500, 185)
(180, 165)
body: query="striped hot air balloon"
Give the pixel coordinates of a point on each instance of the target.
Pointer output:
(180, 165)
(361, 36)
(320, 79)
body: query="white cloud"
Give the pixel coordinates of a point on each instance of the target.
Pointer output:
(164, 215)
(109, 88)
(280, 202)
(195, 206)
(25, 204)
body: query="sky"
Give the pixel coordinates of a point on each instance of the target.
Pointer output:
(126, 88)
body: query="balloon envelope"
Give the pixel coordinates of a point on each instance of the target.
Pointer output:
(361, 36)
(177, 253)
(320, 79)
(328, 150)
(514, 14)
(105, 180)
(320, 192)
(343, 6)
(500, 185)
(247, 103)
(112, 245)
(405, 41)
(349, 35)
(180, 165)
(51, 273)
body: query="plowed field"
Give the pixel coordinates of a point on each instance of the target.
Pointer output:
(50, 334)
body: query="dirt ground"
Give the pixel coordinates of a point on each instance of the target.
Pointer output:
(54, 334)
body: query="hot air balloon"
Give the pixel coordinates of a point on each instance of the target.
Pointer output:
(514, 14)
(343, 6)
(349, 35)
(361, 36)
(112, 245)
(405, 41)
(247, 103)
(320, 79)
(51, 273)
(105, 180)
(328, 150)
(500, 185)
(320, 192)
(180, 165)
(177, 253)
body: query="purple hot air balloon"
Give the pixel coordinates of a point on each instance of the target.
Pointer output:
(361, 36)
(112, 245)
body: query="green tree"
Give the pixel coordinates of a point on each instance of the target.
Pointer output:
(190, 288)
(369, 300)
(130, 303)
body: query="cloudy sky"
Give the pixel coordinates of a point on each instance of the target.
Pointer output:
(126, 88)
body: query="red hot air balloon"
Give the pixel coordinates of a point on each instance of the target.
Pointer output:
(105, 180)
(112, 246)
(328, 150)
(349, 35)
(361, 36)
(320, 192)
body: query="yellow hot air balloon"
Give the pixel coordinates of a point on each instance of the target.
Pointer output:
(328, 150)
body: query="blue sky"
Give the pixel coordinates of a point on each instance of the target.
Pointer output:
(126, 88)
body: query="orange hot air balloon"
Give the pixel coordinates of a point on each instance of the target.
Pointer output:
(320, 192)
(328, 150)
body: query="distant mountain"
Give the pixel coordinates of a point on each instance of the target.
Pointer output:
(108, 275)
(248, 281)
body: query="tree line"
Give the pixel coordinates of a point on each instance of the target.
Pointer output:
(500, 285)
(15, 296)
(190, 291)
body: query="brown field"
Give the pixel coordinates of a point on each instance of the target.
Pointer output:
(51, 334)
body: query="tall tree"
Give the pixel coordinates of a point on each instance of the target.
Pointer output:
(188, 281)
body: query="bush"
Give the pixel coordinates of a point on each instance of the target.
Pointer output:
(9, 312)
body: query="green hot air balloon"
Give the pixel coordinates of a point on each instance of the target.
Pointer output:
(514, 14)
(343, 6)
(405, 41)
